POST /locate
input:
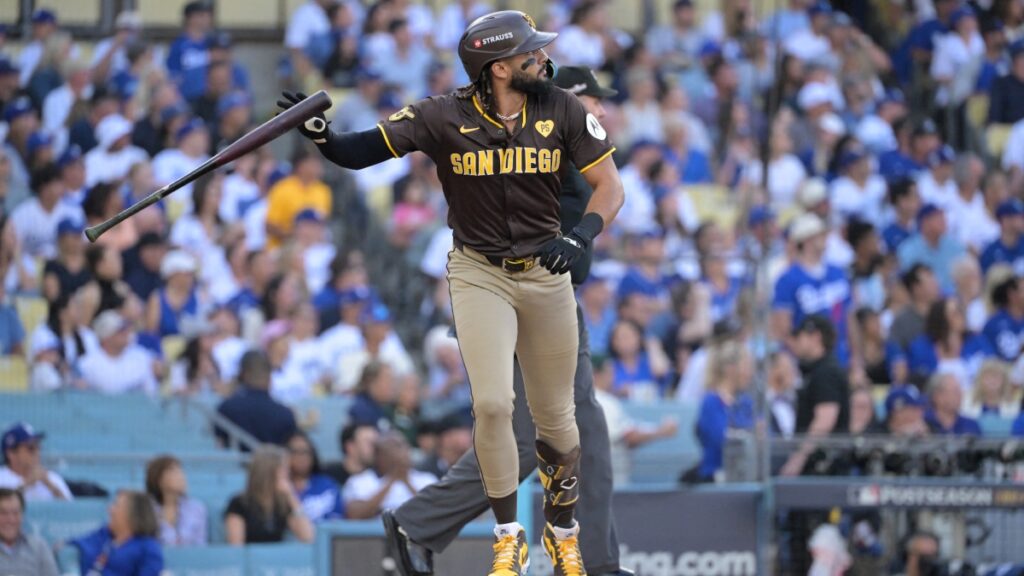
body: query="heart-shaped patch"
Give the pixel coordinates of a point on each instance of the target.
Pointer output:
(544, 127)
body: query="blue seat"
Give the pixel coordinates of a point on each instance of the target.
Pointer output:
(204, 561)
(60, 521)
(288, 559)
(993, 425)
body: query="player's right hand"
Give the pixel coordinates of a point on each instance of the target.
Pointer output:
(316, 128)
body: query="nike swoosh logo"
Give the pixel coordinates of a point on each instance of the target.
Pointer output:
(464, 130)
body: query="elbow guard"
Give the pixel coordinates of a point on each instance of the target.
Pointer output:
(356, 150)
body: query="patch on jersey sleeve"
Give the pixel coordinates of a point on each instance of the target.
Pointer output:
(595, 128)
(405, 113)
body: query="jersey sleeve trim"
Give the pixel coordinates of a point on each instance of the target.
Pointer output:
(388, 141)
(598, 161)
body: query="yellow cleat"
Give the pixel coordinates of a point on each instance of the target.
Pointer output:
(565, 554)
(511, 557)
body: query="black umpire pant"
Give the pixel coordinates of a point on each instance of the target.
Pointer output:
(434, 517)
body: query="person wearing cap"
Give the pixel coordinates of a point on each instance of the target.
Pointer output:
(177, 300)
(118, 365)
(945, 398)
(812, 43)
(811, 287)
(72, 174)
(44, 25)
(303, 190)
(876, 130)
(21, 552)
(114, 154)
(234, 119)
(192, 143)
(1005, 328)
(66, 272)
(916, 142)
(823, 402)
(309, 235)
(956, 63)
(904, 412)
(23, 469)
(933, 246)
(1006, 98)
(936, 184)
(814, 199)
(39, 150)
(858, 191)
(35, 220)
(191, 48)
(378, 344)
(1009, 248)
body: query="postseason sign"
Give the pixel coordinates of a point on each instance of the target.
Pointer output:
(826, 493)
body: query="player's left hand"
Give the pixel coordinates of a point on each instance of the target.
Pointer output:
(316, 127)
(560, 253)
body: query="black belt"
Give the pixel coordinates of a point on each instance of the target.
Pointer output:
(512, 265)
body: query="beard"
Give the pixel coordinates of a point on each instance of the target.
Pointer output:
(527, 84)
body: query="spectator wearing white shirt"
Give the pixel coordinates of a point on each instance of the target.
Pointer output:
(1013, 155)
(583, 41)
(311, 245)
(110, 54)
(812, 44)
(288, 384)
(44, 24)
(875, 130)
(994, 191)
(378, 342)
(193, 143)
(936, 185)
(23, 470)
(813, 196)
(858, 191)
(240, 190)
(35, 220)
(966, 209)
(405, 64)
(118, 366)
(642, 109)
(785, 171)
(59, 103)
(114, 154)
(958, 57)
(388, 484)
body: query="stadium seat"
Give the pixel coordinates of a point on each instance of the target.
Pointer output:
(204, 561)
(13, 374)
(288, 559)
(172, 347)
(32, 311)
(60, 521)
(977, 109)
(996, 136)
(713, 203)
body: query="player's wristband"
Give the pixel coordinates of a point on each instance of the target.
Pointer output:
(589, 227)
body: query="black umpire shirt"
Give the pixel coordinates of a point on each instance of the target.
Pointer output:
(824, 382)
(502, 189)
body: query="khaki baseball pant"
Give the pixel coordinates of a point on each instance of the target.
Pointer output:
(530, 315)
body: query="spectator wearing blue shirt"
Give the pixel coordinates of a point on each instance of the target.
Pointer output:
(637, 374)
(812, 287)
(252, 409)
(947, 345)
(916, 51)
(726, 405)
(646, 251)
(375, 397)
(191, 49)
(724, 290)
(1005, 329)
(905, 202)
(932, 246)
(915, 144)
(904, 412)
(1018, 424)
(12, 333)
(319, 495)
(596, 299)
(1009, 247)
(945, 396)
(178, 300)
(193, 81)
(127, 545)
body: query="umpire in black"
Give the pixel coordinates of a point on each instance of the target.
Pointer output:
(433, 518)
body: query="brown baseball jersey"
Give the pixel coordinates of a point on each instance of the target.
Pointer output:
(502, 188)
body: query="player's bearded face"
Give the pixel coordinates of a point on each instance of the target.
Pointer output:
(530, 81)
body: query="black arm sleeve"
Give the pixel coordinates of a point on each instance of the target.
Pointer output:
(356, 150)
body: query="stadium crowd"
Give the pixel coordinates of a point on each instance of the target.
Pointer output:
(815, 187)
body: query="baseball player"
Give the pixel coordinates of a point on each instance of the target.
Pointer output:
(431, 520)
(502, 145)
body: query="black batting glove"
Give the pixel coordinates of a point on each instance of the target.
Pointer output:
(559, 254)
(316, 128)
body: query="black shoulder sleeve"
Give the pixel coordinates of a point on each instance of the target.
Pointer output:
(356, 150)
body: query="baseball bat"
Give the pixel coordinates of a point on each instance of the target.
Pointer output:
(283, 122)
